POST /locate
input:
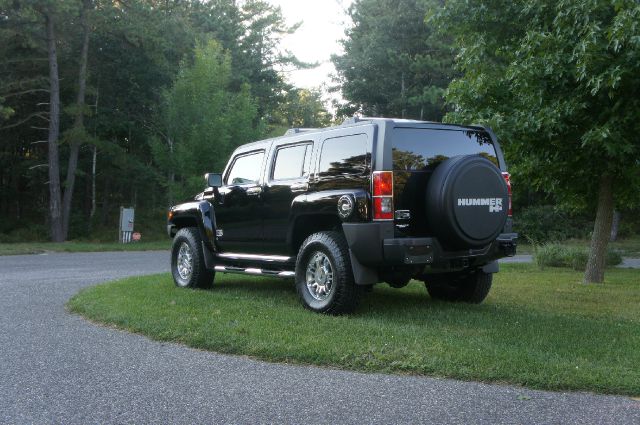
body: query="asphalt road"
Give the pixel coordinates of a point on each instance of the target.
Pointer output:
(57, 368)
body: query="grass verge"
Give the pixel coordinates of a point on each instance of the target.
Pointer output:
(538, 328)
(77, 246)
(629, 247)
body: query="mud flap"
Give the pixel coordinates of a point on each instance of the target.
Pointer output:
(362, 275)
(209, 261)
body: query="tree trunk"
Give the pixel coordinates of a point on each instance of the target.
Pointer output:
(601, 232)
(615, 224)
(104, 215)
(172, 175)
(93, 182)
(94, 162)
(403, 97)
(55, 213)
(78, 125)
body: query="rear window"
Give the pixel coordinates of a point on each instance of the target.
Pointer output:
(424, 149)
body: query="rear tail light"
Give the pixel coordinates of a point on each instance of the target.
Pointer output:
(383, 195)
(507, 179)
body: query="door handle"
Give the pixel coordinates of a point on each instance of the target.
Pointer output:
(299, 187)
(253, 191)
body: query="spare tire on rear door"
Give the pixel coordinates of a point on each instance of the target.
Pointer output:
(467, 202)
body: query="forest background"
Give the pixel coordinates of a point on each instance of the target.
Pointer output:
(128, 102)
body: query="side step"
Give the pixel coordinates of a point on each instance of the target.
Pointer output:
(255, 271)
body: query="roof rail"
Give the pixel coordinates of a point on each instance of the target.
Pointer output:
(292, 131)
(352, 120)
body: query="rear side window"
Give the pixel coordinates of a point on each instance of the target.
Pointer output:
(424, 149)
(344, 155)
(289, 162)
(246, 169)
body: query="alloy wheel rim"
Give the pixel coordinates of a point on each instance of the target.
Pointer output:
(319, 276)
(184, 264)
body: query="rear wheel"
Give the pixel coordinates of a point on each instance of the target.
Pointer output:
(187, 260)
(470, 287)
(324, 279)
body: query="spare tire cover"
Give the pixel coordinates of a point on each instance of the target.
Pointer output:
(467, 202)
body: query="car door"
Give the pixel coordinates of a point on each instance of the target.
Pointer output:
(287, 178)
(238, 204)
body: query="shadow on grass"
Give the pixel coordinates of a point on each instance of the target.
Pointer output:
(412, 303)
(405, 301)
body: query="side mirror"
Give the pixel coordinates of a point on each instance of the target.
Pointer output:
(213, 179)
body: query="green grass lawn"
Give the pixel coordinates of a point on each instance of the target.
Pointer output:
(538, 328)
(73, 246)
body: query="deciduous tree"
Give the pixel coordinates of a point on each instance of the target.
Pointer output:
(559, 82)
(394, 64)
(204, 120)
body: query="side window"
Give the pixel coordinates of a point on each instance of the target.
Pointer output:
(344, 155)
(246, 169)
(289, 162)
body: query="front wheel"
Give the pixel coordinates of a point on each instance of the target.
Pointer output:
(187, 260)
(470, 287)
(324, 279)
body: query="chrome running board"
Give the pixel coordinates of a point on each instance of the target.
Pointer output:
(254, 257)
(254, 271)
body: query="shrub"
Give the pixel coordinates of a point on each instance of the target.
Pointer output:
(546, 223)
(31, 233)
(556, 255)
(613, 257)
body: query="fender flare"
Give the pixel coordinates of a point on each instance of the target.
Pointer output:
(203, 214)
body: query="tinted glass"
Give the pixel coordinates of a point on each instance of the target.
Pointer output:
(423, 149)
(344, 155)
(289, 162)
(246, 169)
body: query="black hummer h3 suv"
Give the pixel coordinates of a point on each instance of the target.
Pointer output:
(343, 208)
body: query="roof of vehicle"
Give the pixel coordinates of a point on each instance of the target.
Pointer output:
(356, 121)
(359, 121)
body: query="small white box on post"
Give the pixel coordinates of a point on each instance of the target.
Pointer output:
(126, 224)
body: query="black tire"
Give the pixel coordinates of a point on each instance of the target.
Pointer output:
(189, 241)
(469, 288)
(342, 294)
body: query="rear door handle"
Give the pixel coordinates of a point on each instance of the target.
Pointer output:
(299, 187)
(254, 191)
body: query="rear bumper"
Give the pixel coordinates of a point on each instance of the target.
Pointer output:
(373, 245)
(410, 251)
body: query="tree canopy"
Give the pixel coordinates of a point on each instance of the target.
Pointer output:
(558, 81)
(144, 59)
(202, 120)
(393, 63)
(118, 96)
